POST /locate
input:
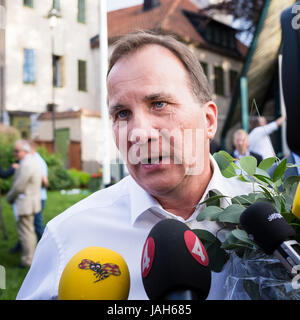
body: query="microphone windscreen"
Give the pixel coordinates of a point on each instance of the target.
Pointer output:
(296, 203)
(95, 273)
(268, 228)
(174, 259)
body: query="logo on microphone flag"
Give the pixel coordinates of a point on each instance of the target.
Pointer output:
(101, 272)
(147, 256)
(196, 248)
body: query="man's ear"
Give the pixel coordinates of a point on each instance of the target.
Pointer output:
(211, 116)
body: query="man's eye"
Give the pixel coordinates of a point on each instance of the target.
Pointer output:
(159, 104)
(122, 114)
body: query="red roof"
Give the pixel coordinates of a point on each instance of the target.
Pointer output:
(167, 17)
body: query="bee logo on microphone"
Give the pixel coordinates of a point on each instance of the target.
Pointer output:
(101, 272)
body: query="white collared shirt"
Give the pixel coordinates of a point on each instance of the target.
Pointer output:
(119, 218)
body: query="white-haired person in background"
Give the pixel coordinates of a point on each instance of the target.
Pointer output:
(26, 199)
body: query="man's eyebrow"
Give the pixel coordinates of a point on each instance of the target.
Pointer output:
(115, 108)
(158, 96)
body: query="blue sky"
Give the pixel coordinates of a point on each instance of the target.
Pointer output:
(118, 4)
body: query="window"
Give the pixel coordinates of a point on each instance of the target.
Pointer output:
(219, 81)
(204, 66)
(208, 33)
(217, 36)
(225, 38)
(29, 66)
(232, 41)
(58, 71)
(81, 11)
(233, 75)
(56, 5)
(82, 81)
(28, 3)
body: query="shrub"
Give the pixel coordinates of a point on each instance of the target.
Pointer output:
(51, 158)
(81, 179)
(59, 178)
(8, 136)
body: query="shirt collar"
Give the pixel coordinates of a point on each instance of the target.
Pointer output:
(141, 202)
(238, 155)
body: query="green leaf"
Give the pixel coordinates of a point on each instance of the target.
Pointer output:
(231, 214)
(217, 256)
(226, 155)
(249, 164)
(266, 191)
(229, 172)
(222, 162)
(289, 182)
(243, 178)
(267, 163)
(264, 179)
(279, 171)
(209, 213)
(213, 201)
(262, 173)
(242, 236)
(205, 236)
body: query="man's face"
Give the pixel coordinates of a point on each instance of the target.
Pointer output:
(18, 152)
(157, 122)
(240, 141)
(262, 121)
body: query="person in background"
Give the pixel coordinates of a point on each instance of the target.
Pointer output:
(38, 218)
(240, 143)
(5, 174)
(259, 140)
(24, 195)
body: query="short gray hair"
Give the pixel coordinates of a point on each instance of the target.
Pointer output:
(132, 42)
(25, 145)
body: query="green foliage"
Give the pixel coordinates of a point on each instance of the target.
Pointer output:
(81, 179)
(59, 178)
(51, 159)
(55, 204)
(276, 190)
(7, 141)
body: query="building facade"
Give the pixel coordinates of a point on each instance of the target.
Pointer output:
(46, 65)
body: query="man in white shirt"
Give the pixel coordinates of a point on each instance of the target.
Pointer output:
(259, 140)
(157, 92)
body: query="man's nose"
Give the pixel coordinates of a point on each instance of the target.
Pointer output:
(142, 129)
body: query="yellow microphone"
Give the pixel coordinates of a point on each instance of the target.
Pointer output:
(95, 273)
(296, 203)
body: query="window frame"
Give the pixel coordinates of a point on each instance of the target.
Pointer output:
(61, 60)
(27, 63)
(219, 89)
(28, 5)
(79, 67)
(81, 11)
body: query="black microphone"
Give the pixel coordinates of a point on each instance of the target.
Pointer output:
(272, 233)
(175, 264)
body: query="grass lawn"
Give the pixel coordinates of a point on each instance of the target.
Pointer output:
(55, 204)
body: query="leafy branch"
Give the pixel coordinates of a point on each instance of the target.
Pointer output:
(277, 190)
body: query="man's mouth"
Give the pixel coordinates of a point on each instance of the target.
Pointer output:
(153, 160)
